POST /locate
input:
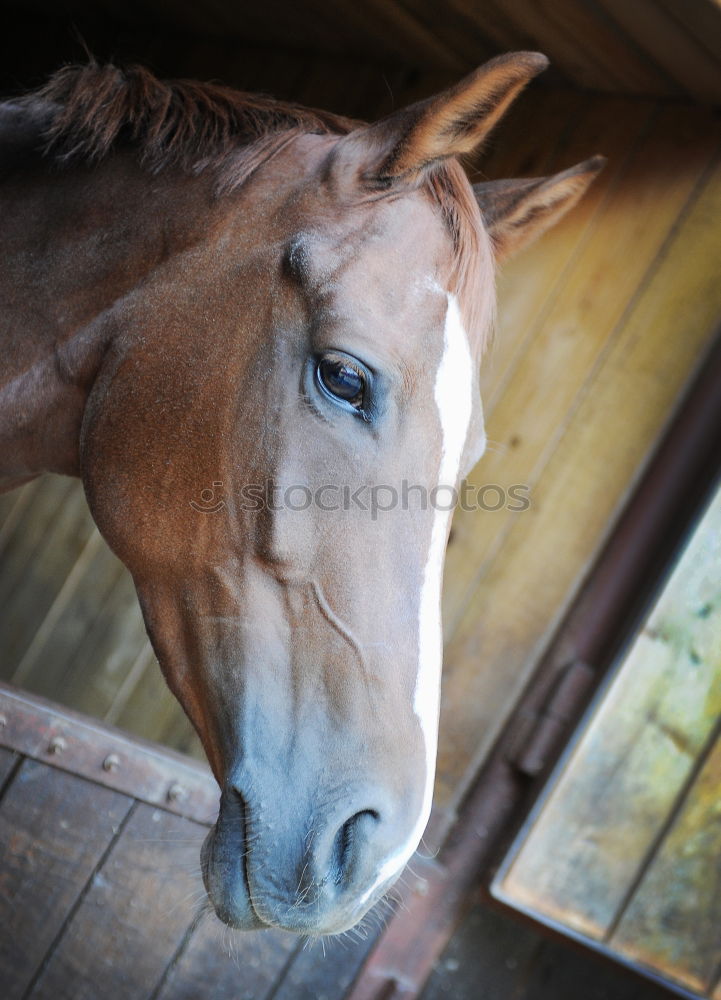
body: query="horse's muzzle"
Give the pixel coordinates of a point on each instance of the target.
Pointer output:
(313, 874)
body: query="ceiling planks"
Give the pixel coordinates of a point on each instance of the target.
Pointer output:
(659, 48)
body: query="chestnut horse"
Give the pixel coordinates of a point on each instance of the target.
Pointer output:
(206, 291)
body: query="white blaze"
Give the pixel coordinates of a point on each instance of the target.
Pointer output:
(453, 395)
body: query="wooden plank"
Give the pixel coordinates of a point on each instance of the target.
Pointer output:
(22, 540)
(8, 761)
(666, 41)
(489, 949)
(590, 839)
(534, 133)
(402, 32)
(95, 670)
(527, 586)
(454, 25)
(12, 505)
(573, 331)
(132, 918)
(144, 659)
(89, 638)
(326, 969)
(593, 835)
(702, 20)
(612, 62)
(239, 966)
(493, 22)
(67, 619)
(528, 288)
(672, 923)
(47, 732)
(37, 558)
(151, 711)
(54, 828)
(530, 284)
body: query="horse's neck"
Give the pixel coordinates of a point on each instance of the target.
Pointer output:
(75, 243)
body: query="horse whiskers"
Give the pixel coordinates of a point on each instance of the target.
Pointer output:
(429, 855)
(193, 898)
(300, 879)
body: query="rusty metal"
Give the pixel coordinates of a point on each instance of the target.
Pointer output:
(537, 742)
(57, 744)
(176, 793)
(44, 731)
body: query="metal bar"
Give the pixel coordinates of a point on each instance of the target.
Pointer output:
(67, 740)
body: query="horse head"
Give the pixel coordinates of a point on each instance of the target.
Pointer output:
(281, 410)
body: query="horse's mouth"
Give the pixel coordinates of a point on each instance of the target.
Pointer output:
(223, 861)
(225, 880)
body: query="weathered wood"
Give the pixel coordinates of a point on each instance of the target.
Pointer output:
(36, 558)
(74, 743)
(528, 289)
(701, 20)
(662, 47)
(566, 342)
(604, 814)
(530, 285)
(672, 922)
(95, 622)
(54, 829)
(83, 592)
(152, 709)
(234, 965)
(12, 506)
(457, 28)
(8, 760)
(582, 856)
(486, 958)
(612, 62)
(131, 919)
(666, 41)
(325, 970)
(615, 421)
(133, 676)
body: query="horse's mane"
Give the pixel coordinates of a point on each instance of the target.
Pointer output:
(172, 123)
(194, 126)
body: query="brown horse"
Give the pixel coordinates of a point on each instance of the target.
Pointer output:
(208, 296)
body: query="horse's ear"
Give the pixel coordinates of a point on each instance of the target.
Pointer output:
(515, 212)
(401, 146)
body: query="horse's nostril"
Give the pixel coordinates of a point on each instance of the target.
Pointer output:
(345, 842)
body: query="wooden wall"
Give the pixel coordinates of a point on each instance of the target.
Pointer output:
(663, 48)
(601, 325)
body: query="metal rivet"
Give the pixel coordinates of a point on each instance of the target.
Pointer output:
(176, 793)
(111, 762)
(57, 744)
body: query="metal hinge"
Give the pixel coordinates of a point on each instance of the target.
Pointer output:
(539, 735)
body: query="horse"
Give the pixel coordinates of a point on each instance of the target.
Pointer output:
(215, 296)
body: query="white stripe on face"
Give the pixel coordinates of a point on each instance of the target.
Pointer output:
(453, 394)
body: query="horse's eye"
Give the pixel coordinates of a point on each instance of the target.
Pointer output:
(343, 379)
